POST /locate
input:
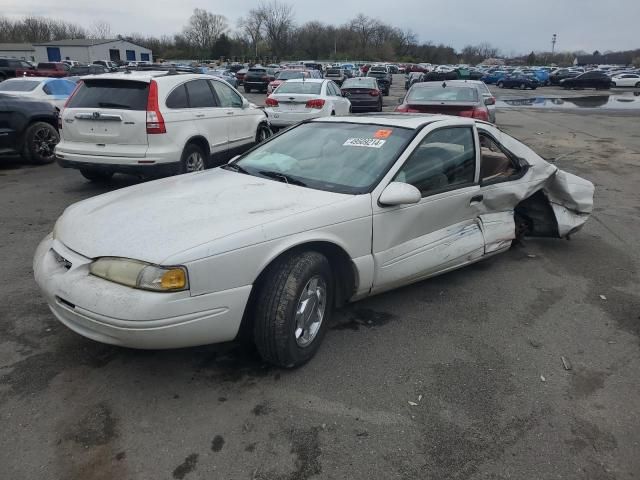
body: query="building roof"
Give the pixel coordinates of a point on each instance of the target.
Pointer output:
(16, 47)
(83, 42)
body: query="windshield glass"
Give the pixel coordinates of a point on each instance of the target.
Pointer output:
(308, 88)
(18, 86)
(338, 157)
(359, 83)
(289, 75)
(439, 94)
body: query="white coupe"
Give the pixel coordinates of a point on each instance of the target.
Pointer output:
(330, 211)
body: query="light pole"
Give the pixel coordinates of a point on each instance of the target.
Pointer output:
(554, 39)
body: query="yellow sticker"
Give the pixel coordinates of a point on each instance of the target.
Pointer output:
(383, 133)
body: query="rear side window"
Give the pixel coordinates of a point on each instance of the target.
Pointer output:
(200, 94)
(178, 98)
(116, 94)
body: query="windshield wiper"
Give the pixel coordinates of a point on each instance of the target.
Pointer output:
(234, 167)
(282, 176)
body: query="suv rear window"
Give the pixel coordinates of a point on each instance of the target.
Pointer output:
(117, 94)
(334, 71)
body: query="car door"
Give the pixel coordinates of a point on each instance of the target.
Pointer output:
(242, 120)
(211, 120)
(440, 232)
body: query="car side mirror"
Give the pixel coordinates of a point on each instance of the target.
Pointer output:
(489, 101)
(399, 193)
(245, 103)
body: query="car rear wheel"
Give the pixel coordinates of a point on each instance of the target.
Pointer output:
(247, 89)
(96, 175)
(263, 133)
(380, 106)
(293, 309)
(638, 85)
(522, 86)
(192, 159)
(500, 84)
(40, 140)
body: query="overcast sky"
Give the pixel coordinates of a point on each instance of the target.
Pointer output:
(514, 27)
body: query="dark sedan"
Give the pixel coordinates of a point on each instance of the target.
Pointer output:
(597, 80)
(556, 77)
(363, 93)
(519, 81)
(382, 76)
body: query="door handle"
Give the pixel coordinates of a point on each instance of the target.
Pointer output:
(199, 115)
(476, 199)
(230, 113)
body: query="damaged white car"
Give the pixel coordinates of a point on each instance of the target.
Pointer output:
(330, 211)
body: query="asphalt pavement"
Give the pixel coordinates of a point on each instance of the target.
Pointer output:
(525, 366)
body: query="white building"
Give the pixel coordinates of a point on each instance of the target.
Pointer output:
(23, 51)
(89, 50)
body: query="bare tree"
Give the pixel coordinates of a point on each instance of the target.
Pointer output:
(100, 29)
(251, 27)
(278, 24)
(204, 29)
(365, 29)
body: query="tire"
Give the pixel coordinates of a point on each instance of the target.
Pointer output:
(613, 84)
(523, 86)
(282, 336)
(380, 107)
(263, 133)
(96, 175)
(193, 159)
(247, 89)
(638, 85)
(500, 84)
(40, 139)
(533, 88)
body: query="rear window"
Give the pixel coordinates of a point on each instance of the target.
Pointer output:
(334, 71)
(257, 70)
(360, 83)
(309, 88)
(18, 86)
(47, 66)
(440, 94)
(289, 75)
(117, 94)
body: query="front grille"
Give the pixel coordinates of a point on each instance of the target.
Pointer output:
(63, 262)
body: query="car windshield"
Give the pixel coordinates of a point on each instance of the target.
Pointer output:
(359, 83)
(442, 94)
(19, 86)
(308, 88)
(334, 156)
(289, 75)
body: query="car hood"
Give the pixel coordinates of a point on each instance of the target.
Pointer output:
(157, 220)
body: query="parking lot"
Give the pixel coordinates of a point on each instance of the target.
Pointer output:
(523, 366)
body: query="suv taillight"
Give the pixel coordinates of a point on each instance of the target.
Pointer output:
(374, 93)
(155, 121)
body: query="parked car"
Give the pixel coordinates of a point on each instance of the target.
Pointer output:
(329, 212)
(112, 66)
(626, 80)
(382, 75)
(556, 77)
(240, 74)
(285, 75)
(52, 90)
(28, 128)
(363, 93)
(9, 66)
(46, 69)
(520, 81)
(226, 75)
(597, 80)
(455, 97)
(414, 77)
(301, 99)
(487, 97)
(336, 74)
(80, 70)
(258, 78)
(155, 123)
(491, 78)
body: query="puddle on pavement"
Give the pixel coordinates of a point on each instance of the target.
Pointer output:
(629, 101)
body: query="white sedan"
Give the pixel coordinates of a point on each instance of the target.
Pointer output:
(304, 99)
(626, 80)
(52, 90)
(330, 211)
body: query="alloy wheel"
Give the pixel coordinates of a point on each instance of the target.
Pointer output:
(310, 311)
(195, 162)
(44, 142)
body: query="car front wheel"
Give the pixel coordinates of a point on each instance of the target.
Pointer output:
(293, 309)
(40, 140)
(263, 133)
(500, 85)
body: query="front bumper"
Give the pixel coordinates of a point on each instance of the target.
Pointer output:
(115, 314)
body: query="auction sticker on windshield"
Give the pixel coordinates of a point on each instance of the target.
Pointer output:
(364, 142)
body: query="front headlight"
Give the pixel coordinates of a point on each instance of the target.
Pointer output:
(136, 274)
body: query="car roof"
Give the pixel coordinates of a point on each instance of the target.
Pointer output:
(146, 75)
(405, 120)
(307, 80)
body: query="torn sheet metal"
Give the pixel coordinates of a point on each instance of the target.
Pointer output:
(569, 197)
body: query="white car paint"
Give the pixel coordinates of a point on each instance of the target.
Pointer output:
(626, 80)
(117, 138)
(226, 228)
(291, 108)
(42, 89)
